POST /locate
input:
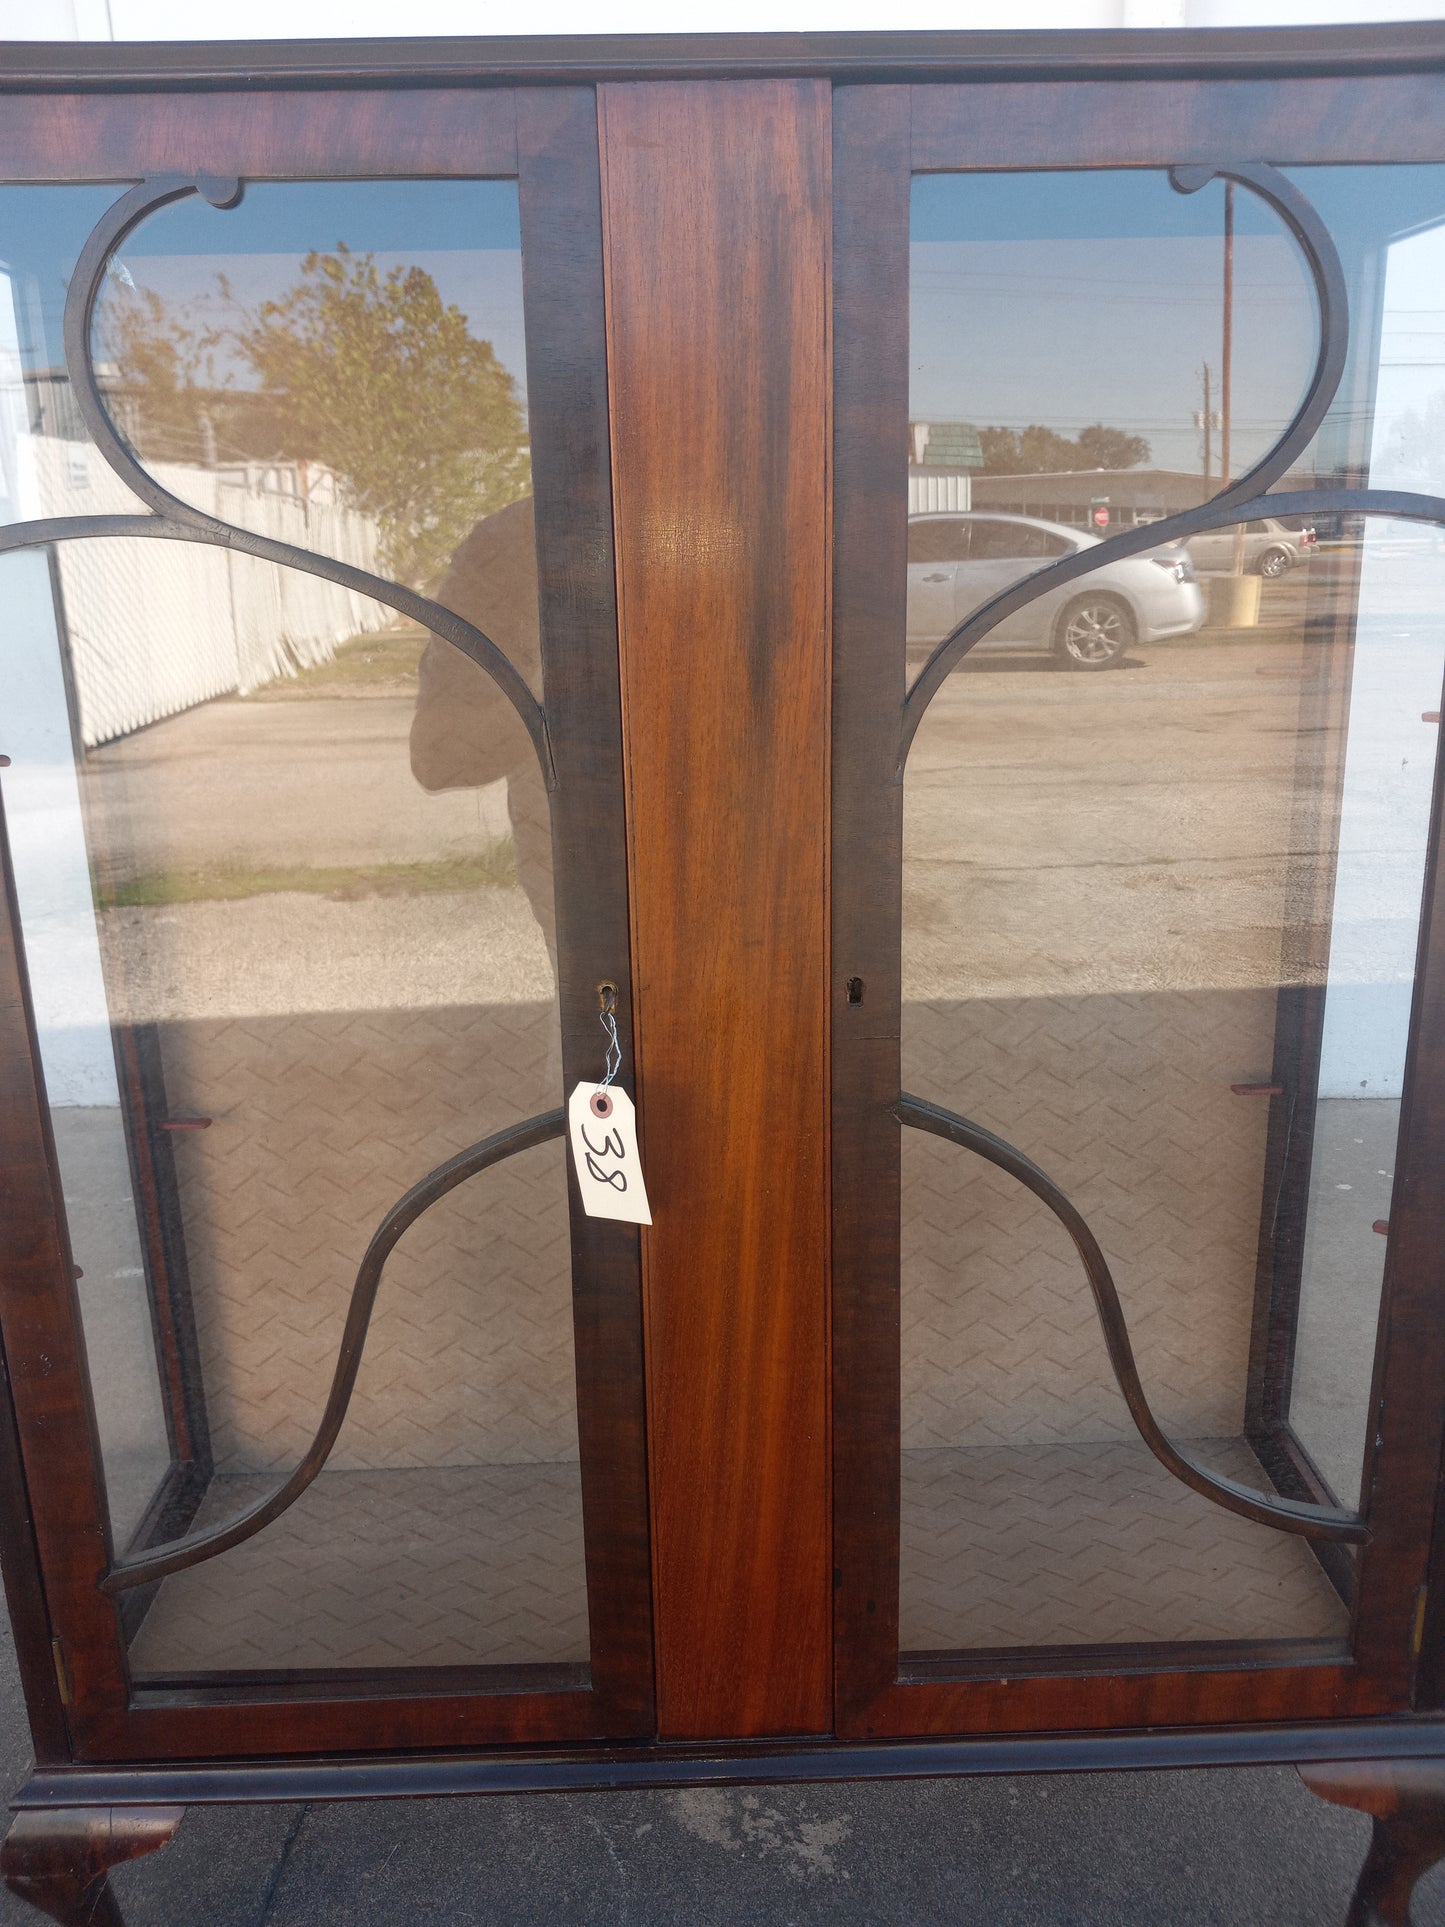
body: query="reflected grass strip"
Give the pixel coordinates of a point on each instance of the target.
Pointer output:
(493, 867)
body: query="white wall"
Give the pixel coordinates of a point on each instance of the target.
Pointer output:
(938, 493)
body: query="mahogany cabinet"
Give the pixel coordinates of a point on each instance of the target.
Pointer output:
(884, 593)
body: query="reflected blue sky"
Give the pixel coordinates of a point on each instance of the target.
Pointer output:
(467, 234)
(1070, 298)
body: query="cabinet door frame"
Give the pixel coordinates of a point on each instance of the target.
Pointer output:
(85, 1703)
(883, 135)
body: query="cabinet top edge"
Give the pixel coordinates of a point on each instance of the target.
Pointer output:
(1240, 53)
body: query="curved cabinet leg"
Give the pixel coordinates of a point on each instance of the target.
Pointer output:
(57, 1858)
(1406, 1799)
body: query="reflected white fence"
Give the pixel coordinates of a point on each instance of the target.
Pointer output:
(155, 627)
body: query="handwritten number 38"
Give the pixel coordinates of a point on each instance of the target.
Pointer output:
(611, 1146)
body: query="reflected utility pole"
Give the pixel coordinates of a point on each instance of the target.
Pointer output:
(1226, 373)
(1226, 366)
(1205, 420)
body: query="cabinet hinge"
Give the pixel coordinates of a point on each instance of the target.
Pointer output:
(62, 1671)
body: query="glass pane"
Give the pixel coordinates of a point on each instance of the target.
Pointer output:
(1385, 780)
(1163, 854)
(286, 886)
(41, 232)
(337, 364)
(1068, 372)
(447, 1527)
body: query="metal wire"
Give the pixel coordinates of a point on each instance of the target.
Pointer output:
(608, 1020)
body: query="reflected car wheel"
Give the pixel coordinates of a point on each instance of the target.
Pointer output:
(1094, 632)
(1274, 562)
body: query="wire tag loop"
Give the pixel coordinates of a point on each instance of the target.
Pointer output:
(602, 1129)
(607, 998)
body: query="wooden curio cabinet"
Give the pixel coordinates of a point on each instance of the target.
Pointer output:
(882, 594)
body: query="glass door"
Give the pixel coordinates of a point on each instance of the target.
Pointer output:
(1137, 705)
(317, 866)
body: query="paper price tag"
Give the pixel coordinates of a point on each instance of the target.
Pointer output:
(603, 1128)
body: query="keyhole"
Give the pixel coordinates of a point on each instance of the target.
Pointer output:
(855, 990)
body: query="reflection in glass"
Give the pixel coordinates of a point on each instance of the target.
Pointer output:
(1361, 1020)
(41, 232)
(1066, 343)
(958, 561)
(1155, 920)
(285, 875)
(351, 346)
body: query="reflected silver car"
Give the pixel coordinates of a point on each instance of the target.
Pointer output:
(958, 561)
(1271, 547)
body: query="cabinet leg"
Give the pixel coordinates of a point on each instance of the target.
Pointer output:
(1406, 1799)
(58, 1858)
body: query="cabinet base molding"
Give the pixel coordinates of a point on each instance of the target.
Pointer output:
(1406, 1800)
(59, 1858)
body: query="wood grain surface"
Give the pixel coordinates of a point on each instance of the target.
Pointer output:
(99, 137)
(46, 1365)
(870, 331)
(716, 211)
(567, 411)
(1166, 123)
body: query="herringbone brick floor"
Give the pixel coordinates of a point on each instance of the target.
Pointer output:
(1066, 1544)
(469, 1565)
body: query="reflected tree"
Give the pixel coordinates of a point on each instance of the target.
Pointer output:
(163, 370)
(1037, 450)
(362, 370)
(373, 374)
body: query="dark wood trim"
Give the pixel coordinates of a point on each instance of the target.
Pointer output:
(523, 1770)
(25, 1594)
(1407, 1429)
(170, 1514)
(19, 1551)
(561, 199)
(222, 1726)
(1330, 617)
(1430, 1667)
(1406, 1799)
(1271, 52)
(870, 363)
(1323, 719)
(1113, 121)
(58, 1861)
(1294, 1474)
(717, 242)
(1046, 1662)
(272, 135)
(1284, 1209)
(1170, 1695)
(49, 1379)
(356, 1682)
(144, 1106)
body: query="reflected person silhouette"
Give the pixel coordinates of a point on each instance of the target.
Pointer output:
(465, 734)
